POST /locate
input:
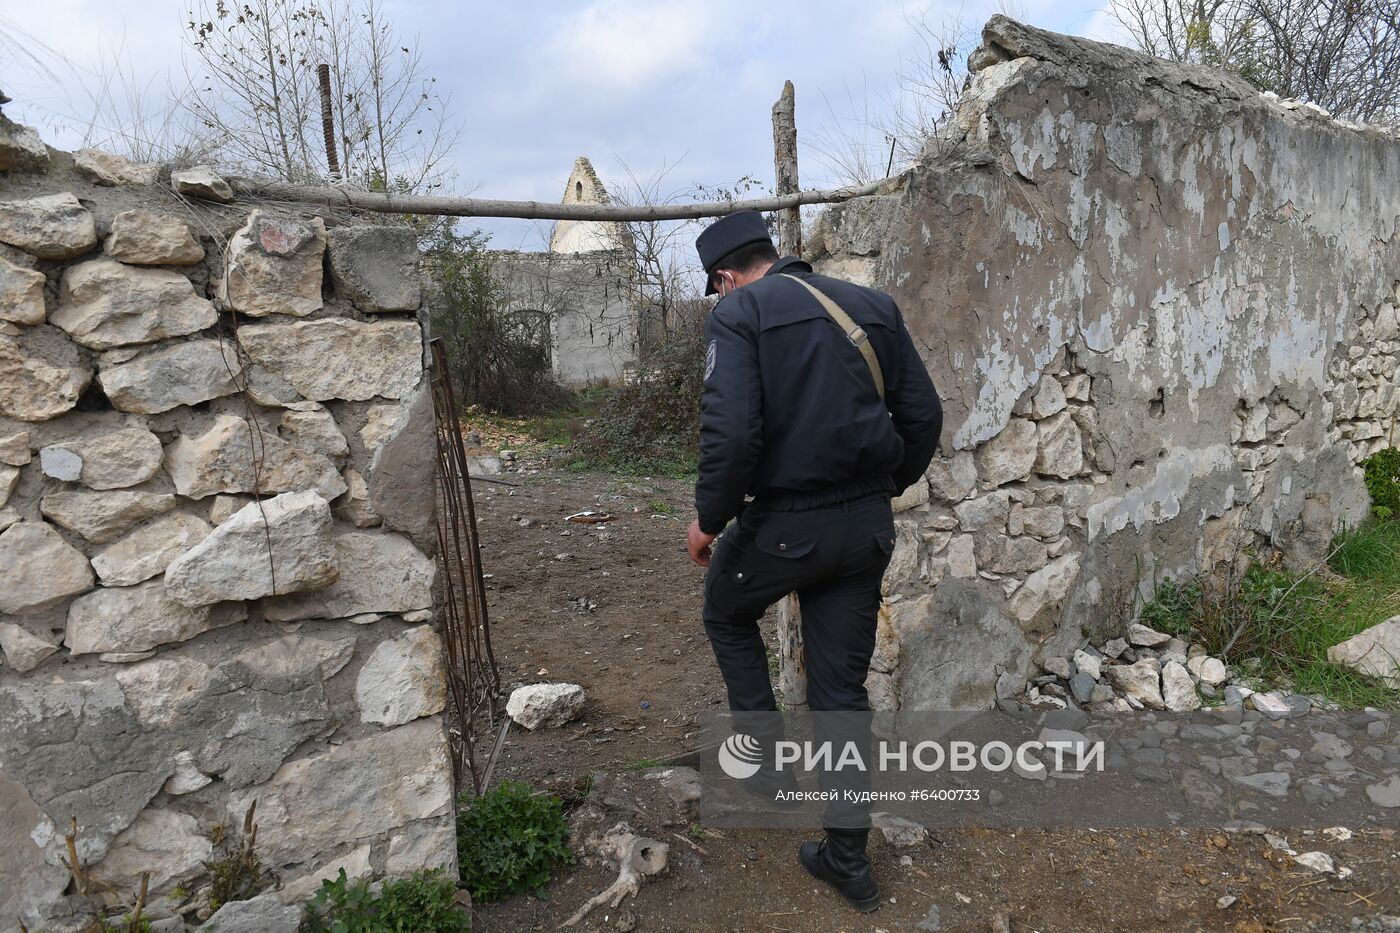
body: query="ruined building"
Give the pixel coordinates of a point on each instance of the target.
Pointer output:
(578, 297)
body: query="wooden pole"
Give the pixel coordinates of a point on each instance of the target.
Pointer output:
(323, 75)
(785, 170)
(388, 202)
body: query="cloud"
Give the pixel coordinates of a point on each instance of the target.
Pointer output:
(625, 45)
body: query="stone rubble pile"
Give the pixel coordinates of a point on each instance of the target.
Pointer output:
(1144, 669)
(216, 538)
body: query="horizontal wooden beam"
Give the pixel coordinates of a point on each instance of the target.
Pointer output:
(391, 203)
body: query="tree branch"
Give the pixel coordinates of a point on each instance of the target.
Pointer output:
(388, 202)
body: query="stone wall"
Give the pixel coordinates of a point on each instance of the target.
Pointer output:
(1161, 310)
(215, 473)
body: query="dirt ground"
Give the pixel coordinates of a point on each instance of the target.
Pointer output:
(616, 608)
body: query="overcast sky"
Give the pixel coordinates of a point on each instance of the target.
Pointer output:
(641, 84)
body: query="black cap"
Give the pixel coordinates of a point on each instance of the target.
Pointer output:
(726, 235)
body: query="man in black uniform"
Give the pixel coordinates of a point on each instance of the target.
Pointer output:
(799, 413)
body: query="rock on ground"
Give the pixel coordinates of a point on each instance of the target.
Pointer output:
(202, 182)
(23, 649)
(1375, 652)
(1140, 681)
(1142, 636)
(21, 148)
(536, 706)
(233, 561)
(108, 168)
(1178, 689)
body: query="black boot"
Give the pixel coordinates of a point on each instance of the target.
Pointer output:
(840, 861)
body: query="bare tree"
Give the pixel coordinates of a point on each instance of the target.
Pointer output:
(253, 69)
(1343, 55)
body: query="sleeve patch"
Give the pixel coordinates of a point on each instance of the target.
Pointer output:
(710, 353)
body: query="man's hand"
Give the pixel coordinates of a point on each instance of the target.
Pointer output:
(698, 544)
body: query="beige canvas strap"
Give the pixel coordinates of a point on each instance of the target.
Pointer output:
(854, 332)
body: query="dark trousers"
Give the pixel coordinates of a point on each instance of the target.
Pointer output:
(833, 558)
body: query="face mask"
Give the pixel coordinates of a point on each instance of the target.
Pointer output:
(723, 278)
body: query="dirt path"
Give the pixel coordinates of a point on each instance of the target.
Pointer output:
(616, 608)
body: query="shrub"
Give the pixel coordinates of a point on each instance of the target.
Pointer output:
(1383, 482)
(420, 903)
(1172, 608)
(653, 424)
(509, 840)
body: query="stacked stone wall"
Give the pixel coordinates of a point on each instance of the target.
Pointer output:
(1161, 310)
(216, 541)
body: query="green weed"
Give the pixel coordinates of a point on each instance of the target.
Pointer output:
(510, 840)
(421, 903)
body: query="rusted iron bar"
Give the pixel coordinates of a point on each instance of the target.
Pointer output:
(473, 680)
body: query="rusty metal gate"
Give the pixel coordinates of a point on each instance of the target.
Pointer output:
(473, 681)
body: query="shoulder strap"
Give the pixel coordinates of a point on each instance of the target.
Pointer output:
(854, 332)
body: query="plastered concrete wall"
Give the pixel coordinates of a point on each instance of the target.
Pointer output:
(583, 301)
(1161, 310)
(173, 649)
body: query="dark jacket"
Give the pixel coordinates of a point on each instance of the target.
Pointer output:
(789, 406)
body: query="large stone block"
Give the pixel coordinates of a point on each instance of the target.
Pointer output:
(52, 226)
(333, 358)
(111, 460)
(28, 884)
(24, 649)
(382, 573)
(352, 792)
(42, 375)
(314, 432)
(1010, 455)
(404, 679)
(129, 619)
(950, 645)
(272, 265)
(1060, 452)
(376, 267)
(1374, 652)
(147, 551)
(21, 150)
(404, 463)
(231, 458)
(165, 843)
(1045, 590)
(108, 168)
(39, 568)
(103, 516)
(104, 304)
(234, 562)
(167, 377)
(201, 182)
(21, 294)
(146, 238)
